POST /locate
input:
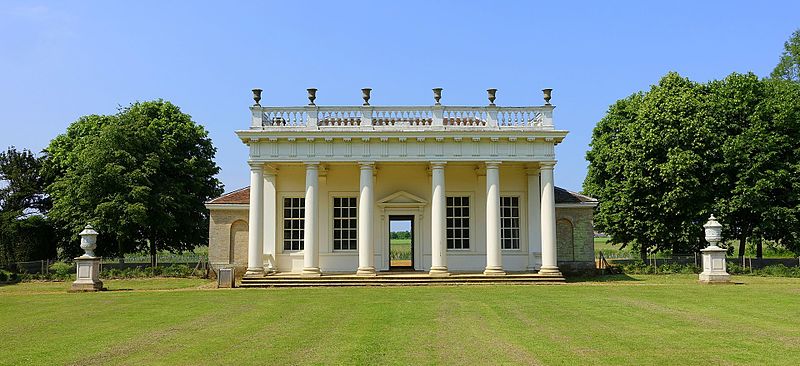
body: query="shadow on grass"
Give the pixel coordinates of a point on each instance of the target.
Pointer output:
(602, 278)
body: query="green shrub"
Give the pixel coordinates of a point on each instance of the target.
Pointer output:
(736, 269)
(61, 271)
(778, 270)
(639, 267)
(177, 270)
(3, 276)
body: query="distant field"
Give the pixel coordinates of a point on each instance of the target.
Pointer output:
(401, 250)
(637, 320)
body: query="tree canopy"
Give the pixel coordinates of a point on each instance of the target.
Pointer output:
(141, 177)
(661, 161)
(788, 67)
(25, 234)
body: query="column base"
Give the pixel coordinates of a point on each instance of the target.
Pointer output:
(494, 271)
(311, 272)
(255, 273)
(550, 271)
(439, 271)
(366, 271)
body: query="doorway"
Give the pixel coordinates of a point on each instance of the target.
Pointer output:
(401, 242)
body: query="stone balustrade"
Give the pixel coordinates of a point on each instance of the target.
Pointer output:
(367, 116)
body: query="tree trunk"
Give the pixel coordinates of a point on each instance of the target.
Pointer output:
(742, 243)
(153, 252)
(760, 249)
(643, 253)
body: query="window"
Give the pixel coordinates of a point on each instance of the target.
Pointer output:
(457, 222)
(509, 222)
(294, 212)
(345, 220)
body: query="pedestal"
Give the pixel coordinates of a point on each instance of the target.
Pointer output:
(88, 271)
(714, 266)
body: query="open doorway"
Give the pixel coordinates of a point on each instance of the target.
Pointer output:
(401, 242)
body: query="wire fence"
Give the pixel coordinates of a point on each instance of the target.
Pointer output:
(199, 261)
(605, 259)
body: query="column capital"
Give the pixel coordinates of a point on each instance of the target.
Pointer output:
(547, 165)
(438, 164)
(270, 170)
(493, 164)
(256, 166)
(367, 164)
(311, 164)
(533, 168)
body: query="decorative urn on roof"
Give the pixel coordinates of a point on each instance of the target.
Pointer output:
(365, 94)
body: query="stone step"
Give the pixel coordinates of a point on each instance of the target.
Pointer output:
(294, 281)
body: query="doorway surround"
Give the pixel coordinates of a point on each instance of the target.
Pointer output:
(402, 203)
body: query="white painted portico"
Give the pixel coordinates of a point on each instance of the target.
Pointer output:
(402, 161)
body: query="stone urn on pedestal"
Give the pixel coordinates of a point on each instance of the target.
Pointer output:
(714, 264)
(87, 265)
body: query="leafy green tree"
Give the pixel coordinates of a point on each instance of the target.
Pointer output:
(769, 162)
(140, 176)
(22, 187)
(643, 167)
(24, 233)
(733, 104)
(788, 67)
(662, 161)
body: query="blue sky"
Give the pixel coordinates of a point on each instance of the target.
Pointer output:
(62, 60)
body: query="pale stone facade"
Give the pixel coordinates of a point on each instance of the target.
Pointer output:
(402, 161)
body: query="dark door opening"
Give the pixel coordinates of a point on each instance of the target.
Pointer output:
(401, 242)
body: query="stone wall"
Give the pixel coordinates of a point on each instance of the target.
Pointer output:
(227, 238)
(575, 240)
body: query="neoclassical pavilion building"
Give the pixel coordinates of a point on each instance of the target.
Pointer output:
(473, 183)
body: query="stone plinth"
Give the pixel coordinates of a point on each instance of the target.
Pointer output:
(714, 266)
(88, 270)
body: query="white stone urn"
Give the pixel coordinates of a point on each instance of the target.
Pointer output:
(87, 265)
(88, 241)
(713, 231)
(715, 268)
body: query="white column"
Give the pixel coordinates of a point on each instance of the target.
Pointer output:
(366, 201)
(534, 220)
(270, 223)
(549, 254)
(494, 257)
(310, 237)
(255, 243)
(438, 221)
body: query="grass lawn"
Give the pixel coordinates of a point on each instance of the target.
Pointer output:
(637, 320)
